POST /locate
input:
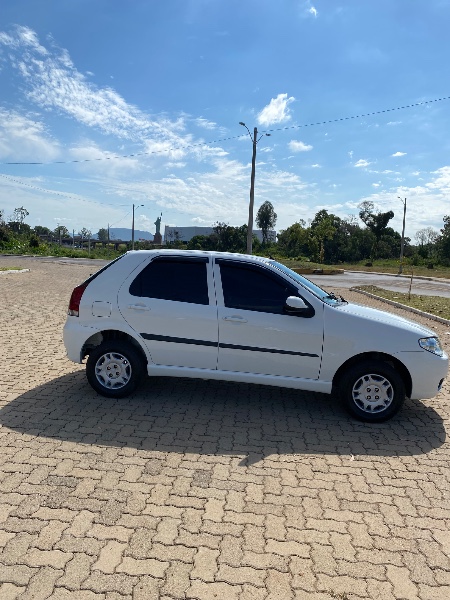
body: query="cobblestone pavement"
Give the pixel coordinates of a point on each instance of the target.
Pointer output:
(205, 490)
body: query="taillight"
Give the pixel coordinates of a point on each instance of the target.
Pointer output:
(75, 299)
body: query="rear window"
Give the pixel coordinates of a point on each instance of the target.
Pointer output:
(102, 270)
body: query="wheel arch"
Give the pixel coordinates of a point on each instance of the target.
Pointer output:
(381, 356)
(109, 335)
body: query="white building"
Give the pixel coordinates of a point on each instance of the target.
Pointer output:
(185, 234)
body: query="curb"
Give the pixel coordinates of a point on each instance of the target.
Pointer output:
(397, 275)
(14, 271)
(403, 306)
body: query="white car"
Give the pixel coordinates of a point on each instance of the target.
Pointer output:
(233, 317)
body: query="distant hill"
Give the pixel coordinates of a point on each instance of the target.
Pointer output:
(124, 234)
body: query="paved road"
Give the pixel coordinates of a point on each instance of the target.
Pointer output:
(205, 490)
(425, 287)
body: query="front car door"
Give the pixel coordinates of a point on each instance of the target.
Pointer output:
(255, 334)
(171, 304)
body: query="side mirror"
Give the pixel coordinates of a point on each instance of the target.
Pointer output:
(295, 304)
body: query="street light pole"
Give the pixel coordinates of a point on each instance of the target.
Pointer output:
(132, 227)
(402, 246)
(255, 140)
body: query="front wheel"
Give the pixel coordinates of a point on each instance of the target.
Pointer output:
(372, 391)
(114, 369)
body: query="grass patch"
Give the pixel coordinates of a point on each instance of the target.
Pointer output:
(11, 268)
(435, 305)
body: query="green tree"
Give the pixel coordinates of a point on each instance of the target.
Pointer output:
(375, 221)
(102, 235)
(293, 241)
(61, 231)
(40, 230)
(323, 228)
(85, 233)
(443, 242)
(266, 219)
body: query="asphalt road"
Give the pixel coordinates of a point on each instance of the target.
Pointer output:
(425, 287)
(349, 279)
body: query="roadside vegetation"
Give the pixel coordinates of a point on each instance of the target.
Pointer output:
(435, 305)
(366, 243)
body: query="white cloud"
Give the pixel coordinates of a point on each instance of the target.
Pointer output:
(276, 111)
(316, 166)
(202, 122)
(308, 10)
(399, 154)
(362, 163)
(25, 138)
(54, 84)
(298, 146)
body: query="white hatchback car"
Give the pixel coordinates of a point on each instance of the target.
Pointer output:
(233, 317)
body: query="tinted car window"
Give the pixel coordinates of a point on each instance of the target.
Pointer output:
(253, 288)
(179, 280)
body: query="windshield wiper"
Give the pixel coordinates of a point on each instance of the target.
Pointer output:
(332, 296)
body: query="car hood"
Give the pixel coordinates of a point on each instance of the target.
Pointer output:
(381, 316)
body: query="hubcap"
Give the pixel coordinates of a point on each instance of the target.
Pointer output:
(372, 393)
(113, 370)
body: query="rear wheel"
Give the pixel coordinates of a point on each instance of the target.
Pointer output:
(114, 369)
(372, 391)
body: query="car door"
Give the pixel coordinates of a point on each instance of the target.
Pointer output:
(171, 304)
(255, 334)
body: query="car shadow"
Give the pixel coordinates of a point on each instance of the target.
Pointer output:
(250, 422)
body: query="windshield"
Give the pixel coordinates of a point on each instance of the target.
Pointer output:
(327, 297)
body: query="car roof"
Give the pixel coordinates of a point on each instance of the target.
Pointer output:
(213, 254)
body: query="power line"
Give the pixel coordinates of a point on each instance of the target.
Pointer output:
(187, 147)
(47, 191)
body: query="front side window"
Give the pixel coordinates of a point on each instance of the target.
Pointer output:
(179, 280)
(249, 287)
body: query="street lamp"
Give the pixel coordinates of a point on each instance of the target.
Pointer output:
(132, 227)
(255, 140)
(402, 246)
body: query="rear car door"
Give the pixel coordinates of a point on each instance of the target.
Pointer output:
(255, 334)
(171, 304)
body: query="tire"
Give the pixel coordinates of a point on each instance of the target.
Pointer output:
(384, 391)
(115, 368)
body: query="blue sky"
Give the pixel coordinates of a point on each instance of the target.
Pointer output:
(168, 82)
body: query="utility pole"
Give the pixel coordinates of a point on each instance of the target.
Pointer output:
(132, 227)
(402, 246)
(255, 141)
(73, 238)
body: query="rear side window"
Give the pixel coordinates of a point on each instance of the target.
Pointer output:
(179, 280)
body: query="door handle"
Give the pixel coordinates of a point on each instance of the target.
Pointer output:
(138, 307)
(235, 319)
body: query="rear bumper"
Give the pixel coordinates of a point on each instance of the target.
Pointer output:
(75, 336)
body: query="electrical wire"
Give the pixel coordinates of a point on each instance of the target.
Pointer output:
(187, 147)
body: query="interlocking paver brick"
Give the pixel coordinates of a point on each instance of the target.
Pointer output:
(208, 490)
(146, 566)
(205, 564)
(110, 557)
(9, 591)
(200, 590)
(404, 588)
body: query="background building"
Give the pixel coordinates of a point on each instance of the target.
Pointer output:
(185, 234)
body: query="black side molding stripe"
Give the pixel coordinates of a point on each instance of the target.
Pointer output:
(272, 350)
(176, 340)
